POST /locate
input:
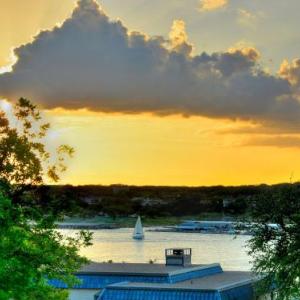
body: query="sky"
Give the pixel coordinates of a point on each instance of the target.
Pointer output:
(195, 92)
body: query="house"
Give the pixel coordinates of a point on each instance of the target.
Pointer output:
(177, 279)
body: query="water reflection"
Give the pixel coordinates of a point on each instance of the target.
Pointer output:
(118, 245)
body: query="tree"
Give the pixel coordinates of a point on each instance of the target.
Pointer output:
(276, 249)
(24, 160)
(32, 251)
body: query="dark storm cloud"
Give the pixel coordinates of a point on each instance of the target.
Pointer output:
(92, 62)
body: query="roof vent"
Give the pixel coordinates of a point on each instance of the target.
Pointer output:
(178, 257)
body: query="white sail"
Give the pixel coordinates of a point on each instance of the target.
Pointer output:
(138, 232)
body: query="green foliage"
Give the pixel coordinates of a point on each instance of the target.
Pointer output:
(23, 157)
(151, 201)
(276, 252)
(32, 251)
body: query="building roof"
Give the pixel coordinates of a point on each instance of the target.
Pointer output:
(217, 282)
(221, 286)
(100, 275)
(245, 292)
(136, 268)
(134, 281)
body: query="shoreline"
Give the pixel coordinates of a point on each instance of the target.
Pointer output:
(107, 222)
(160, 224)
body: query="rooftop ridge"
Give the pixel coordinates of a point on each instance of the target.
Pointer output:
(147, 286)
(183, 285)
(145, 269)
(237, 284)
(195, 268)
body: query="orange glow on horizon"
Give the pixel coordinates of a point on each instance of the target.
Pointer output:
(152, 150)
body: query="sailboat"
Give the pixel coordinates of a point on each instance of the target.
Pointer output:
(138, 233)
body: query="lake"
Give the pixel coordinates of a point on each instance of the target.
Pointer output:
(117, 245)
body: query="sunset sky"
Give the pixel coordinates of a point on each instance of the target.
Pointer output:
(195, 92)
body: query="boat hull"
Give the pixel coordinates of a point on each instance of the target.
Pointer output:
(138, 237)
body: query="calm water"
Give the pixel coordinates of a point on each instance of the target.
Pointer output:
(118, 245)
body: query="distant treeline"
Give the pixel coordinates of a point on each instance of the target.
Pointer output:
(151, 201)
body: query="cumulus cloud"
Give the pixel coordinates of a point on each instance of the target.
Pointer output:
(291, 71)
(208, 5)
(179, 38)
(92, 62)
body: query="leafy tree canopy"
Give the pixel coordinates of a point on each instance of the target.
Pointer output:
(276, 251)
(32, 251)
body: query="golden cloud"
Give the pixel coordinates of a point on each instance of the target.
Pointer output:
(250, 52)
(290, 71)
(208, 5)
(179, 38)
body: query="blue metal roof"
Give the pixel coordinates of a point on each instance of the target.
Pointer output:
(99, 281)
(194, 283)
(244, 292)
(129, 293)
(195, 274)
(150, 294)
(94, 281)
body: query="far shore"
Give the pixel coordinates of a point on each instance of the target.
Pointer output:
(106, 222)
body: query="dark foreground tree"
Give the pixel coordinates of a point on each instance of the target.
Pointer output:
(32, 251)
(276, 251)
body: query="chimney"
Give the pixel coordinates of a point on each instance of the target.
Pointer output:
(178, 257)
